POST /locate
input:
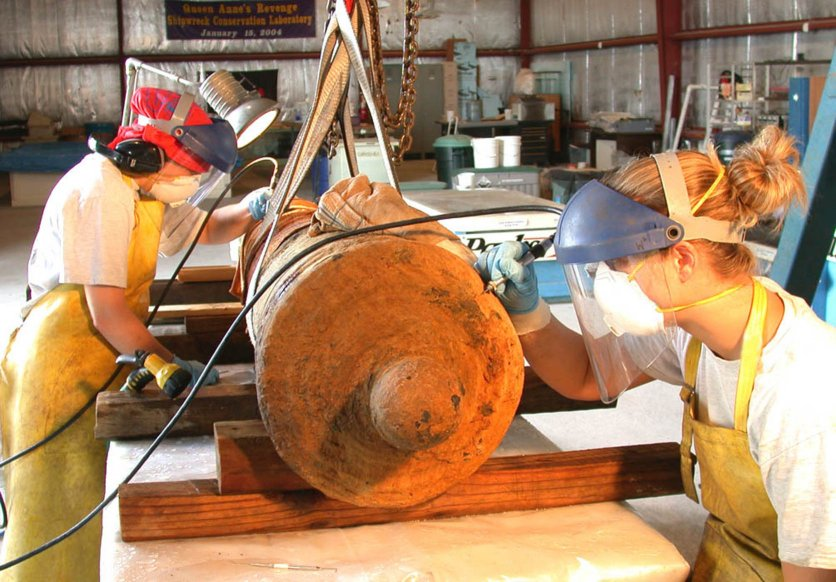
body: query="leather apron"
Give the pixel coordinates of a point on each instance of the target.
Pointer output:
(740, 539)
(54, 362)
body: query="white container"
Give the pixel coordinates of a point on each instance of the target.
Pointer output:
(509, 150)
(485, 152)
(465, 181)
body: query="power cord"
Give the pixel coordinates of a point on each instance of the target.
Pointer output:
(92, 400)
(227, 335)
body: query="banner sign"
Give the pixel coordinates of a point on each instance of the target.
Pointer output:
(234, 19)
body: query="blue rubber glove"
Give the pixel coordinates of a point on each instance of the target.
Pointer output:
(519, 293)
(195, 368)
(257, 201)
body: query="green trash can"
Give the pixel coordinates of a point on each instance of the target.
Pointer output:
(452, 152)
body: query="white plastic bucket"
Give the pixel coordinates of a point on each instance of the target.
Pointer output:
(485, 152)
(509, 150)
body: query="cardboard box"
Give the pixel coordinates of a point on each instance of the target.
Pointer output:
(369, 161)
(32, 188)
(451, 86)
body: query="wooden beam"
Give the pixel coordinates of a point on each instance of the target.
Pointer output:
(151, 511)
(124, 415)
(201, 345)
(539, 397)
(247, 461)
(212, 324)
(201, 318)
(121, 415)
(182, 310)
(212, 292)
(206, 274)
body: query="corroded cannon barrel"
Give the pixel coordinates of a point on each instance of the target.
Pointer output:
(384, 373)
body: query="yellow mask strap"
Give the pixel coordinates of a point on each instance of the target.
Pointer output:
(710, 191)
(635, 270)
(714, 297)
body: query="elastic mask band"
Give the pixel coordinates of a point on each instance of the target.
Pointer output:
(714, 297)
(632, 275)
(710, 191)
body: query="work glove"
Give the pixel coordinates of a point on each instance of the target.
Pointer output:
(518, 294)
(195, 368)
(257, 201)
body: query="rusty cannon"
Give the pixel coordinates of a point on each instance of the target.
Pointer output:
(384, 373)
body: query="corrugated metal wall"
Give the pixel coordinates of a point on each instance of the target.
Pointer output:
(627, 78)
(612, 79)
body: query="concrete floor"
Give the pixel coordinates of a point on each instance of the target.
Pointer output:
(649, 414)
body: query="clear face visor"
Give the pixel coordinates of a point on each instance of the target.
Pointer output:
(212, 184)
(193, 189)
(622, 329)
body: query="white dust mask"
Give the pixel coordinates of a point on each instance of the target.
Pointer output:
(626, 308)
(176, 191)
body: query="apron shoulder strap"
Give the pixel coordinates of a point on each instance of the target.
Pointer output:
(687, 460)
(750, 356)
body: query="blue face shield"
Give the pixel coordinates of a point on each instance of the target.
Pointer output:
(215, 144)
(599, 224)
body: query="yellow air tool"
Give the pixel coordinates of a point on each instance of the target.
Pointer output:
(171, 378)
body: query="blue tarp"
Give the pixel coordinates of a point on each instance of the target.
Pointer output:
(56, 156)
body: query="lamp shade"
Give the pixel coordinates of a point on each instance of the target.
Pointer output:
(247, 112)
(252, 118)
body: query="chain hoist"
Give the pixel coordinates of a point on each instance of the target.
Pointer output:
(404, 117)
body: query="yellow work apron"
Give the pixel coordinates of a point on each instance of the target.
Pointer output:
(740, 540)
(54, 362)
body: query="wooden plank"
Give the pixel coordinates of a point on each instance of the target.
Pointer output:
(179, 311)
(247, 461)
(206, 274)
(121, 415)
(216, 291)
(124, 415)
(151, 511)
(539, 397)
(211, 324)
(200, 346)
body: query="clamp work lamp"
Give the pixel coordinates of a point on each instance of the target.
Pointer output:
(247, 112)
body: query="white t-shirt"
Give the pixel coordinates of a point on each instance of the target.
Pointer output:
(792, 415)
(86, 229)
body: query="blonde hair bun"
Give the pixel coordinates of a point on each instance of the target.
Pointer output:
(765, 177)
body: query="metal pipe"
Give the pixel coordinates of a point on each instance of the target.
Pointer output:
(525, 32)
(666, 126)
(593, 44)
(756, 29)
(683, 111)
(132, 67)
